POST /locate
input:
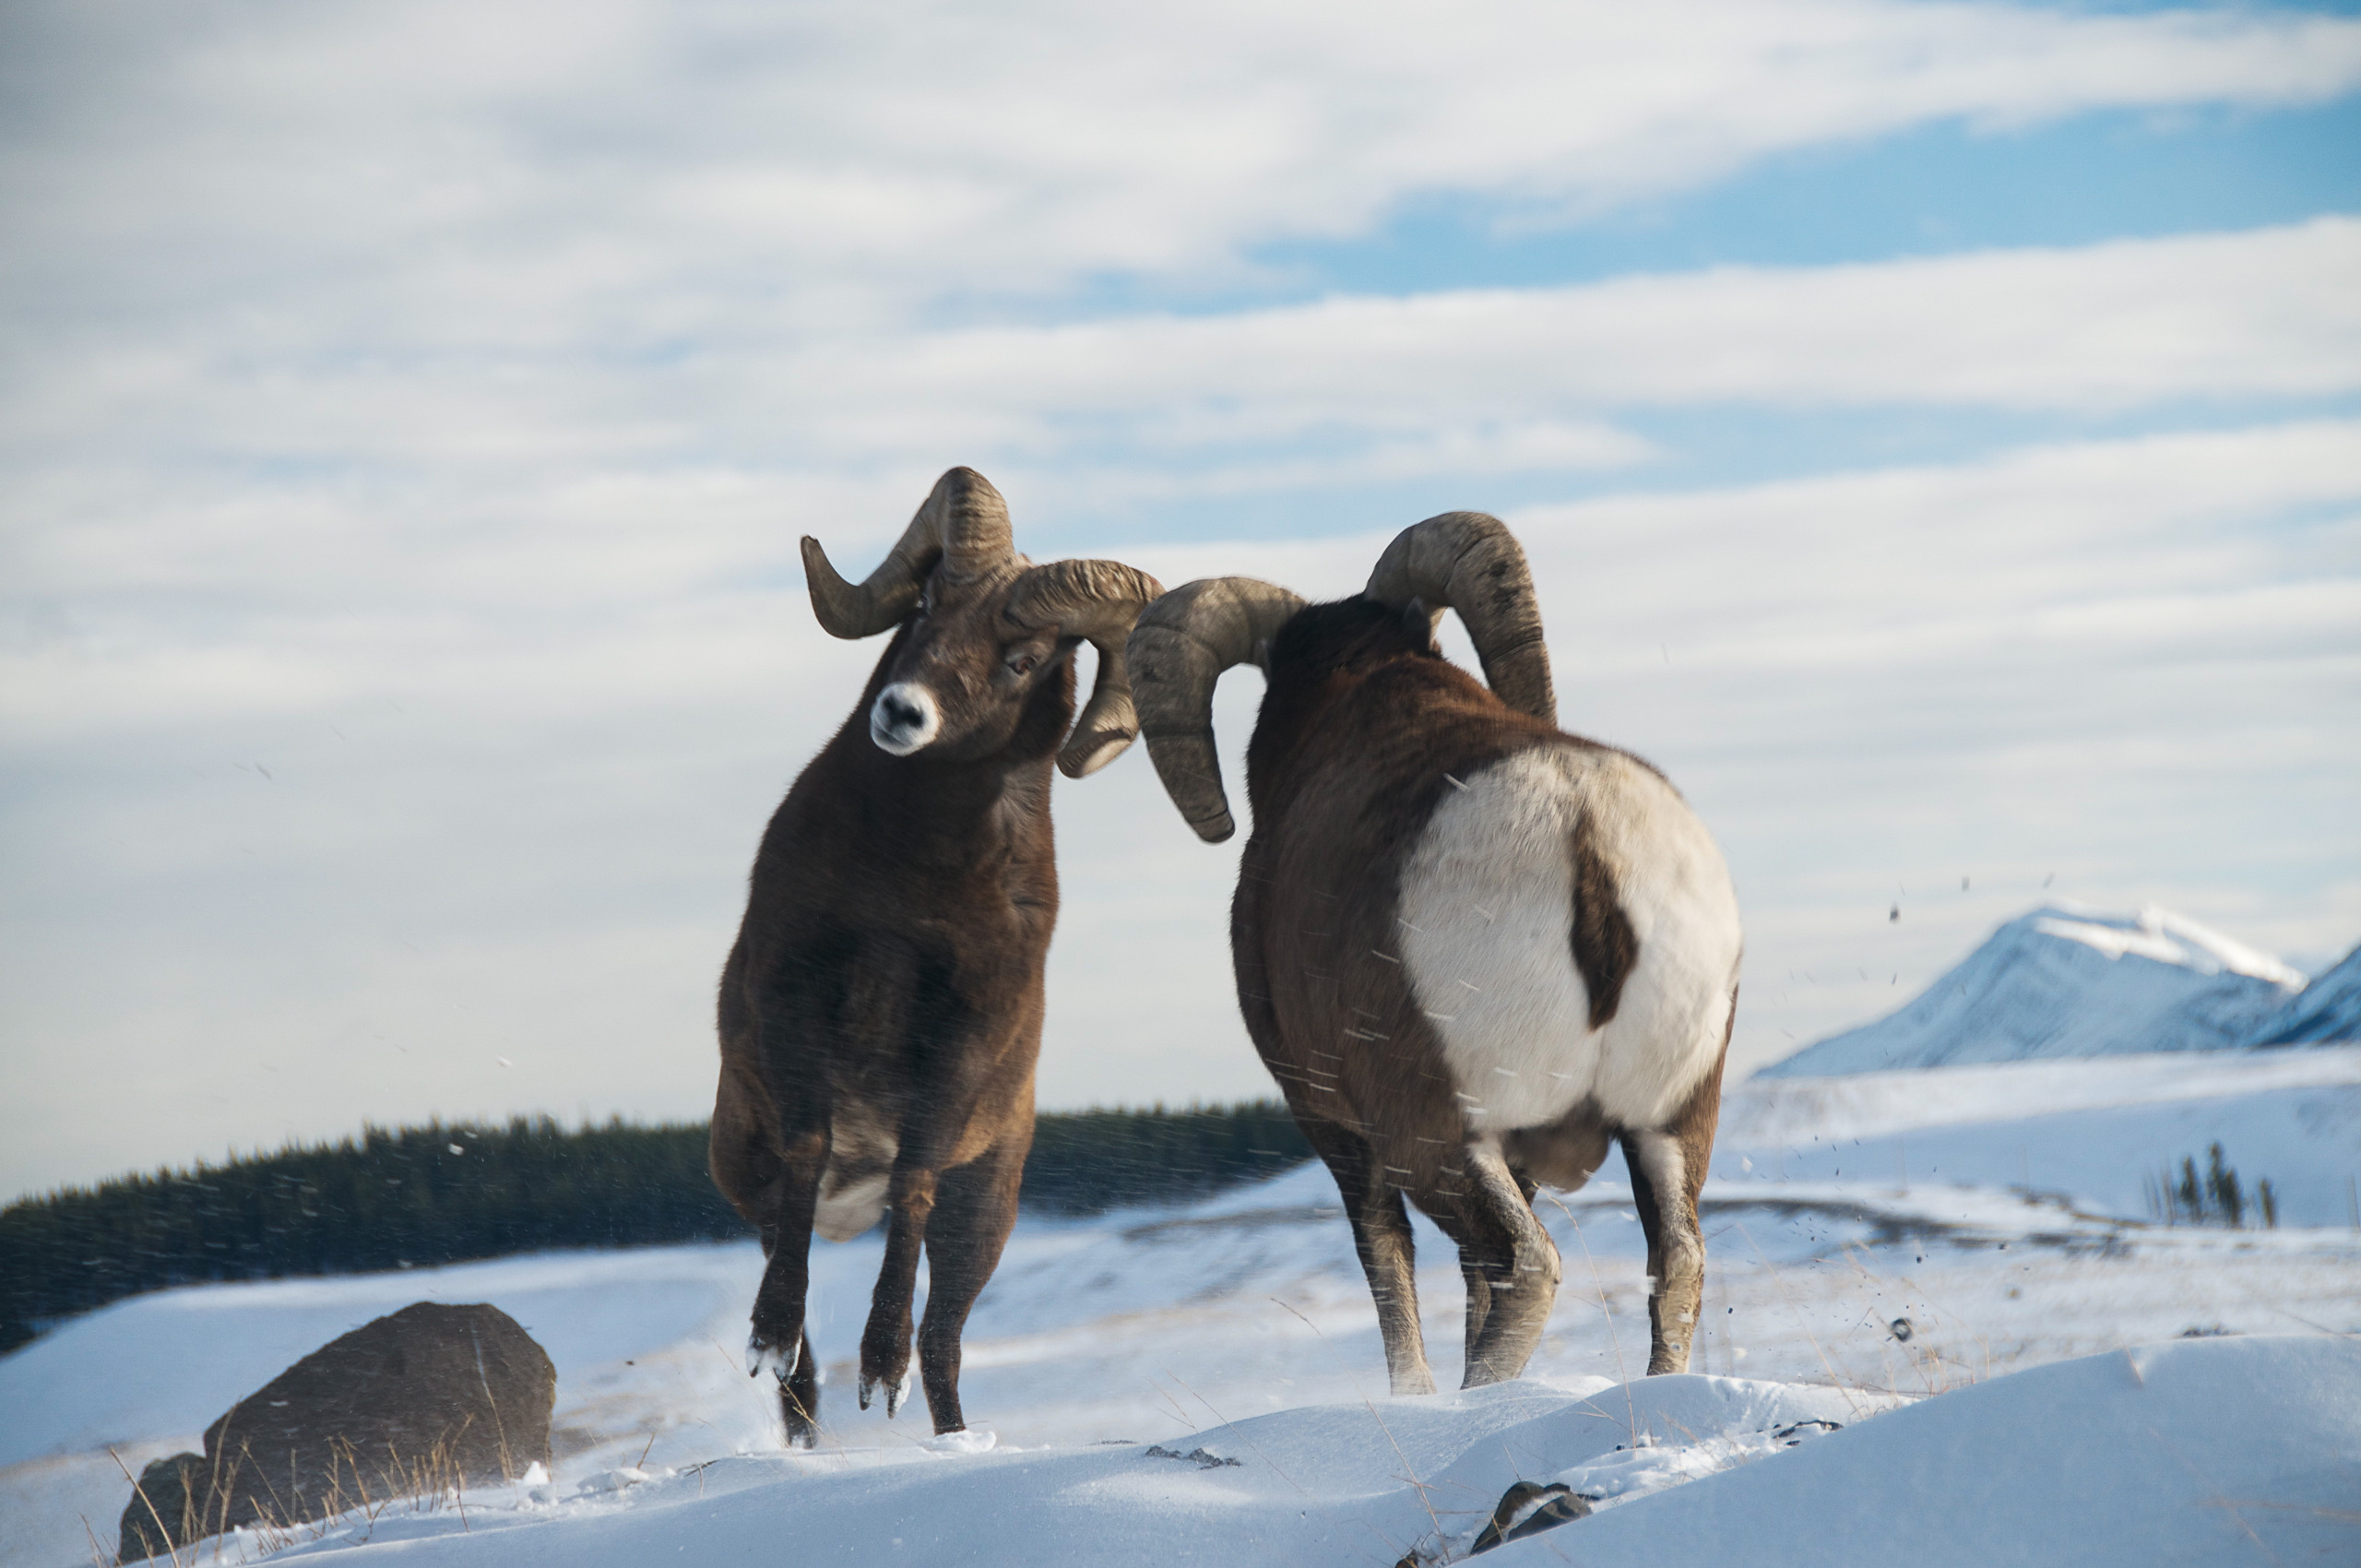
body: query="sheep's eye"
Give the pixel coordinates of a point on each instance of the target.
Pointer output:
(1021, 663)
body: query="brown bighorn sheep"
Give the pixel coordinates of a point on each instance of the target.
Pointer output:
(881, 1013)
(1472, 948)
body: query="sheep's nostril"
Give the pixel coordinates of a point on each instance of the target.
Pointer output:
(904, 720)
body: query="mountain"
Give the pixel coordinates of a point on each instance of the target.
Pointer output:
(2069, 981)
(2327, 1009)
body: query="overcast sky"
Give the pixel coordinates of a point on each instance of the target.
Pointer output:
(1936, 430)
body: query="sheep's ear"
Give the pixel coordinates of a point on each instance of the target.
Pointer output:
(1422, 622)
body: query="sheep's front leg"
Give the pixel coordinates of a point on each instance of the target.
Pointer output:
(976, 1211)
(1479, 1303)
(885, 1342)
(1382, 1236)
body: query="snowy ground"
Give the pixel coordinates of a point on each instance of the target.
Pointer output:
(1240, 1327)
(2098, 1130)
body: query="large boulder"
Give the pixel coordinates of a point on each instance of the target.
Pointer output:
(430, 1397)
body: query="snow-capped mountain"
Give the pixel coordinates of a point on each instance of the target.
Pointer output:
(2069, 981)
(2327, 1009)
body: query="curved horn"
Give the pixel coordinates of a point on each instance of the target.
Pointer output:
(1469, 562)
(1097, 601)
(963, 522)
(1180, 648)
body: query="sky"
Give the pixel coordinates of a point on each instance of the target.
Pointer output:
(1936, 430)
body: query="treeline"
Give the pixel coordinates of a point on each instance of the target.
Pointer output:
(1087, 1161)
(436, 1194)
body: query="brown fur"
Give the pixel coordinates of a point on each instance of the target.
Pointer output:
(1363, 728)
(1605, 948)
(886, 990)
(1667, 1215)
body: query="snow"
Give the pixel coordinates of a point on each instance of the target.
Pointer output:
(2167, 938)
(2206, 1452)
(2069, 981)
(1764, 1112)
(2327, 1009)
(1960, 1366)
(2104, 1130)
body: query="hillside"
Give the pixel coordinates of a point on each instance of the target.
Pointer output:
(1109, 1350)
(2067, 981)
(2327, 1009)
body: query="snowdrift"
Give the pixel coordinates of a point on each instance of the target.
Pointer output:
(1123, 1361)
(2199, 1451)
(2203, 1451)
(2067, 982)
(1342, 1483)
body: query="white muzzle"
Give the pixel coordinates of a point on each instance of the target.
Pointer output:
(904, 719)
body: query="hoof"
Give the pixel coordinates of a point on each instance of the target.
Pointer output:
(894, 1392)
(782, 1361)
(800, 1419)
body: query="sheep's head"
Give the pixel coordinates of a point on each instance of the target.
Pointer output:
(1462, 561)
(986, 629)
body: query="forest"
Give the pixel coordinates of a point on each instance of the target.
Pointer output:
(414, 1197)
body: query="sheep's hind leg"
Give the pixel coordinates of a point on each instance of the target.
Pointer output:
(1664, 1190)
(1382, 1236)
(1519, 1265)
(1667, 1172)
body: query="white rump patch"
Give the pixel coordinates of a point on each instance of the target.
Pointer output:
(1486, 919)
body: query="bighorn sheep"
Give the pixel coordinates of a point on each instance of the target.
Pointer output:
(881, 1013)
(1472, 948)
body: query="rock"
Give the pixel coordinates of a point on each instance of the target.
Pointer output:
(1528, 1508)
(163, 1506)
(422, 1400)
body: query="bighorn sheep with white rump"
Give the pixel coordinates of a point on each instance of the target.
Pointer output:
(881, 1013)
(1472, 948)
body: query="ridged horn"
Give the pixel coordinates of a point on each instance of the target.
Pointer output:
(1097, 601)
(1470, 562)
(1180, 648)
(963, 522)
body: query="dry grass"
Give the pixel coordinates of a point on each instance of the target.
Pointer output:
(362, 1491)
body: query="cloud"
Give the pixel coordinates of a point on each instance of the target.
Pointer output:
(233, 494)
(2106, 661)
(526, 834)
(1345, 391)
(423, 175)
(2267, 313)
(410, 409)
